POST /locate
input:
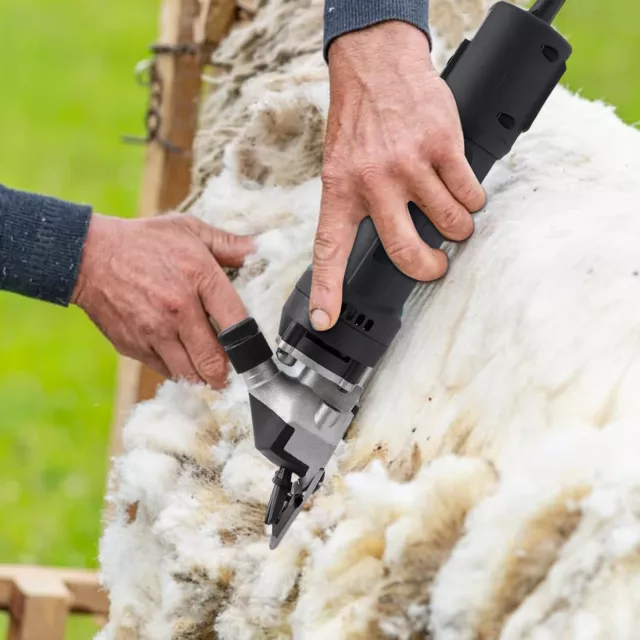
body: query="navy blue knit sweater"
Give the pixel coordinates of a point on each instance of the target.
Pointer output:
(41, 238)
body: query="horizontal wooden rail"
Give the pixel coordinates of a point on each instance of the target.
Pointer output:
(40, 599)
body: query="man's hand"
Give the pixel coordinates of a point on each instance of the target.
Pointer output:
(393, 136)
(153, 285)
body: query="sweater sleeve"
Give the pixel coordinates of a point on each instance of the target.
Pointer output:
(343, 16)
(41, 242)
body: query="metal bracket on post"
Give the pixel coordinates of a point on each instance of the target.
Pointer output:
(148, 75)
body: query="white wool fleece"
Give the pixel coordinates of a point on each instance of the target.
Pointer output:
(489, 487)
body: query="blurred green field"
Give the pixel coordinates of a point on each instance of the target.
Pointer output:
(67, 96)
(606, 46)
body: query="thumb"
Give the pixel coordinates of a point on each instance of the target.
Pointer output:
(229, 249)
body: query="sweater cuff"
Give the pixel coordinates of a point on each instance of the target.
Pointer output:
(343, 16)
(41, 243)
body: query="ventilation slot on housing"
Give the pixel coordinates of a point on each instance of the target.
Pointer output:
(351, 315)
(507, 121)
(549, 53)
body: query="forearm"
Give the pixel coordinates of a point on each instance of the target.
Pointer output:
(41, 242)
(343, 16)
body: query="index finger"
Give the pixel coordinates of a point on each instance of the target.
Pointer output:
(207, 355)
(335, 235)
(219, 298)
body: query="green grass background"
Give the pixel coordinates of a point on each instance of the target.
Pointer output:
(66, 95)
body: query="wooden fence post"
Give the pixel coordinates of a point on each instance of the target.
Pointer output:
(167, 175)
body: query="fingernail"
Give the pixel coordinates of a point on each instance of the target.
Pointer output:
(320, 319)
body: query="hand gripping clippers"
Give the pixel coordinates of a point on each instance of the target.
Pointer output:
(303, 402)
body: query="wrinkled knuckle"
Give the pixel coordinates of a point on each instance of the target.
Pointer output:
(322, 285)
(325, 248)
(210, 280)
(332, 177)
(211, 367)
(448, 219)
(403, 253)
(223, 239)
(451, 221)
(370, 175)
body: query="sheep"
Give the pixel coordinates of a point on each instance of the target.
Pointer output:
(490, 485)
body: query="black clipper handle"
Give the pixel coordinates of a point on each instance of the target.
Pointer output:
(500, 80)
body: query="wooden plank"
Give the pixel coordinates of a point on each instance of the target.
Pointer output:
(39, 607)
(167, 175)
(83, 586)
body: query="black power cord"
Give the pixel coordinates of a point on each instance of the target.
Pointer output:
(546, 9)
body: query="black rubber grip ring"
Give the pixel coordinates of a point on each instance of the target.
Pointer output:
(238, 332)
(249, 353)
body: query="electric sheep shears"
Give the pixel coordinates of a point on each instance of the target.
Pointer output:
(303, 401)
